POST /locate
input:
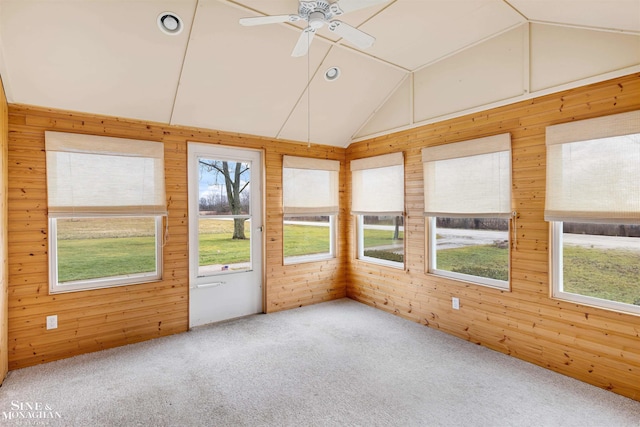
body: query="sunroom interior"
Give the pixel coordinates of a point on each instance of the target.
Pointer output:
(458, 117)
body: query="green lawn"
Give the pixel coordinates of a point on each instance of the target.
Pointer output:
(612, 274)
(306, 240)
(484, 261)
(80, 259)
(603, 273)
(373, 238)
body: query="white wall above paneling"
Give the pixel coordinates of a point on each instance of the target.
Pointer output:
(394, 113)
(561, 55)
(610, 14)
(486, 73)
(532, 60)
(420, 32)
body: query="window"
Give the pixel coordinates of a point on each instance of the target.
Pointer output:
(222, 206)
(593, 204)
(467, 193)
(310, 204)
(378, 201)
(106, 203)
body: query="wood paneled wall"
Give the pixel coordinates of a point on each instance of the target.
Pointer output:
(98, 319)
(4, 270)
(597, 346)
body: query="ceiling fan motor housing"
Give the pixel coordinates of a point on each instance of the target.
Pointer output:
(318, 12)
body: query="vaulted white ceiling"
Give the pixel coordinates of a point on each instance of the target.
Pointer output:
(431, 59)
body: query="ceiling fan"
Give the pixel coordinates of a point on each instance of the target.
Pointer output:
(317, 14)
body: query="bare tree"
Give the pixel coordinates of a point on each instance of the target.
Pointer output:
(397, 222)
(234, 187)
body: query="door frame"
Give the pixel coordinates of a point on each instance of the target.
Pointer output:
(195, 146)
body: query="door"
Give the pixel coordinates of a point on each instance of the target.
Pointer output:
(225, 233)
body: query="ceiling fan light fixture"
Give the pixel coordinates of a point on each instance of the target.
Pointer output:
(170, 23)
(332, 74)
(316, 20)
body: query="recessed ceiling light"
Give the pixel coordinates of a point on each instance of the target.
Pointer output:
(170, 23)
(332, 74)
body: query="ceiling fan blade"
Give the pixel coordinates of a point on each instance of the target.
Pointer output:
(304, 41)
(352, 34)
(262, 20)
(347, 6)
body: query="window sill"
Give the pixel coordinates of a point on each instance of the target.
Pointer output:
(301, 259)
(381, 262)
(89, 285)
(473, 280)
(593, 302)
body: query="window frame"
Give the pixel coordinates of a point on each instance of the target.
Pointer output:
(360, 246)
(137, 189)
(570, 204)
(440, 207)
(195, 152)
(365, 200)
(324, 256)
(556, 262)
(504, 285)
(55, 287)
(309, 172)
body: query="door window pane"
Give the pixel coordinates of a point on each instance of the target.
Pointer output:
(224, 224)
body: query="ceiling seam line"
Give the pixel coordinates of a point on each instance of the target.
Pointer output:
(306, 88)
(370, 17)
(184, 60)
(372, 57)
(515, 9)
(470, 45)
(377, 13)
(506, 101)
(586, 27)
(382, 104)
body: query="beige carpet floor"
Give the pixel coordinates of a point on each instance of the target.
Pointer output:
(339, 363)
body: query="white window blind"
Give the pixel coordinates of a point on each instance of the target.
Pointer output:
(468, 179)
(310, 186)
(593, 170)
(378, 185)
(95, 176)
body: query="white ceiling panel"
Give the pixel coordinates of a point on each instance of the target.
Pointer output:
(109, 57)
(334, 120)
(241, 79)
(605, 14)
(412, 33)
(106, 57)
